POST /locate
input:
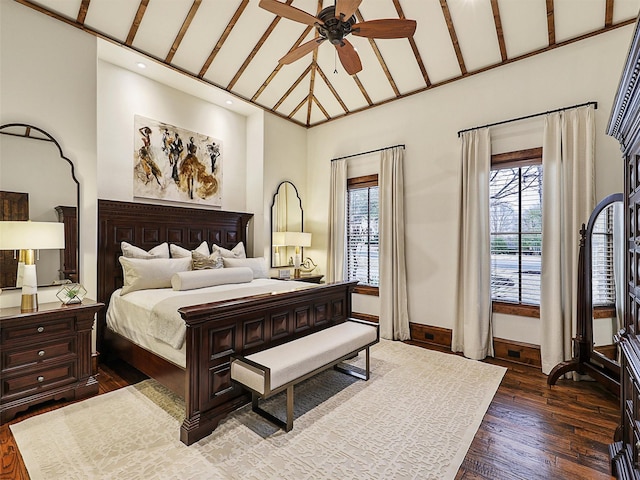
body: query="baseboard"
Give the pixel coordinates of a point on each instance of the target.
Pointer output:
(430, 335)
(518, 352)
(509, 350)
(365, 316)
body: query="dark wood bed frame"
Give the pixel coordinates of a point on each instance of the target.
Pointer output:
(215, 331)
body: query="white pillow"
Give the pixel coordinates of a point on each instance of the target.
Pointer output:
(131, 251)
(178, 252)
(258, 265)
(142, 274)
(208, 278)
(235, 252)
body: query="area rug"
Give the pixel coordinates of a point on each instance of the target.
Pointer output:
(415, 418)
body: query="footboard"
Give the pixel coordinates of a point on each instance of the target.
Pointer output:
(215, 331)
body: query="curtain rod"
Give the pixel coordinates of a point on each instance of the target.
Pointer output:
(365, 153)
(595, 104)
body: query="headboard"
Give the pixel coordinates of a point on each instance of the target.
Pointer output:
(146, 225)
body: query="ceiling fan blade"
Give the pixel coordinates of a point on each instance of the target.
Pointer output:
(301, 51)
(349, 57)
(287, 11)
(385, 28)
(346, 8)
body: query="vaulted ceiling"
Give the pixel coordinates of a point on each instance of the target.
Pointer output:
(235, 45)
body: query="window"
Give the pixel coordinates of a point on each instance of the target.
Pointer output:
(362, 233)
(602, 276)
(516, 231)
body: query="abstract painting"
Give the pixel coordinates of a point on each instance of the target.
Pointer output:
(171, 163)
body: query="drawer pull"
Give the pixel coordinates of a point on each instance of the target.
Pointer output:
(40, 329)
(41, 353)
(40, 379)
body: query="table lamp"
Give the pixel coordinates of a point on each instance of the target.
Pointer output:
(277, 240)
(297, 240)
(28, 237)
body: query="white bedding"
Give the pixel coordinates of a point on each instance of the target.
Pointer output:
(132, 315)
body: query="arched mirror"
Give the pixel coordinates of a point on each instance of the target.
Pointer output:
(286, 216)
(38, 183)
(600, 296)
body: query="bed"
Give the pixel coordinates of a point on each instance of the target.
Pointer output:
(242, 324)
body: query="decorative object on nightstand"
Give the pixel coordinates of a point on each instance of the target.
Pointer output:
(71, 293)
(29, 237)
(46, 355)
(308, 266)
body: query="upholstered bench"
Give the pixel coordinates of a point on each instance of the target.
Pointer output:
(279, 368)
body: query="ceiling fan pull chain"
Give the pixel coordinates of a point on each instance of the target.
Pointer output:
(335, 62)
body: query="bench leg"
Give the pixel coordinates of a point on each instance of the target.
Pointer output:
(355, 371)
(286, 426)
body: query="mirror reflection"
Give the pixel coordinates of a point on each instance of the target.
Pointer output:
(37, 183)
(286, 216)
(607, 277)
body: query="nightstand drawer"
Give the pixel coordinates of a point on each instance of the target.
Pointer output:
(38, 379)
(37, 331)
(14, 358)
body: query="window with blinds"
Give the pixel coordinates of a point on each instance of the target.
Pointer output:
(362, 230)
(516, 232)
(602, 277)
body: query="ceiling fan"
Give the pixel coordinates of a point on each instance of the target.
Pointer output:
(334, 23)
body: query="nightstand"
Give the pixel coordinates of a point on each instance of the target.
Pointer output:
(45, 355)
(303, 278)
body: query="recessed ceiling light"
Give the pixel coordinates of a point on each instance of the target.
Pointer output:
(141, 65)
(229, 102)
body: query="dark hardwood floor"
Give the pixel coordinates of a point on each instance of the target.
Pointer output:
(529, 431)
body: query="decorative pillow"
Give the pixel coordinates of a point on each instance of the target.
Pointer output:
(142, 274)
(235, 252)
(131, 251)
(206, 262)
(208, 278)
(258, 265)
(178, 252)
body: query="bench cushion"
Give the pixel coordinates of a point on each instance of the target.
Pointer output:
(295, 359)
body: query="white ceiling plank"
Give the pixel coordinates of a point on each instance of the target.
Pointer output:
(577, 17)
(112, 17)
(625, 9)
(66, 8)
(524, 25)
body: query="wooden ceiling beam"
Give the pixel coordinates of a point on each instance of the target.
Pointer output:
(362, 89)
(137, 20)
(551, 23)
(183, 29)
(322, 109)
(223, 38)
(255, 49)
(498, 23)
(314, 64)
(82, 11)
(292, 88)
(453, 35)
(608, 13)
(332, 89)
(298, 107)
(275, 71)
(414, 47)
(383, 64)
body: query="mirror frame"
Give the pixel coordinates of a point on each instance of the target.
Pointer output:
(49, 138)
(273, 202)
(586, 360)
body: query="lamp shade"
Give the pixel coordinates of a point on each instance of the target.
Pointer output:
(278, 239)
(297, 239)
(31, 235)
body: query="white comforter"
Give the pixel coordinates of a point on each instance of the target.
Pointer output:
(154, 313)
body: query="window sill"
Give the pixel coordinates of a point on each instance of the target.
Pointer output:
(366, 290)
(516, 309)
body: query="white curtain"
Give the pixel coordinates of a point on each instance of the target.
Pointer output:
(337, 221)
(568, 199)
(394, 316)
(472, 331)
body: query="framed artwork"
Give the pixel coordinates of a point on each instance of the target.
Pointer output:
(171, 163)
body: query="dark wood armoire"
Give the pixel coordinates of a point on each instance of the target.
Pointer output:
(624, 125)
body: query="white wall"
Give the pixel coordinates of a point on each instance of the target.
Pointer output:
(48, 79)
(122, 94)
(428, 123)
